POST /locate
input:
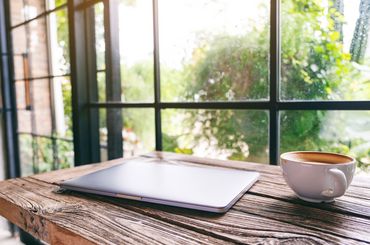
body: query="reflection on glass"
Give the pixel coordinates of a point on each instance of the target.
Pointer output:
(325, 50)
(224, 134)
(136, 50)
(214, 50)
(334, 131)
(138, 135)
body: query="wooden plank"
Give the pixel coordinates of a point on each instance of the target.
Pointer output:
(67, 219)
(111, 220)
(355, 202)
(304, 216)
(241, 226)
(269, 213)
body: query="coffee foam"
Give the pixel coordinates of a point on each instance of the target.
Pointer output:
(317, 157)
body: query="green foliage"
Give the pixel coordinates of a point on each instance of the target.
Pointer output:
(226, 67)
(137, 82)
(313, 61)
(314, 67)
(229, 68)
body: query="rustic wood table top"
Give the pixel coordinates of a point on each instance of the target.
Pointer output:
(268, 213)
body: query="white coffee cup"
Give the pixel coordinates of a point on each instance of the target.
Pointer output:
(317, 176)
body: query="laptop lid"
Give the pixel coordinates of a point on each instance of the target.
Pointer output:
(199, 187)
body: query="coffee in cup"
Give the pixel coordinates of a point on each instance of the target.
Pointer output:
(317, 176)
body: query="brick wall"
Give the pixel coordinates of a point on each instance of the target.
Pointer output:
(31, 39)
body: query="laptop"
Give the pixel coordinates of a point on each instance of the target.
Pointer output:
(206, 188)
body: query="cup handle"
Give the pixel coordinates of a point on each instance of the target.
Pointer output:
(340, 184)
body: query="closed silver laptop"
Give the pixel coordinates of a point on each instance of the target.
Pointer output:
(198, 187)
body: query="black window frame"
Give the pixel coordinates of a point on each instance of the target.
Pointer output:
(9, 91)
(85, 103)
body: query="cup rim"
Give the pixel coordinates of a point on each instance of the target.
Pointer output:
(351, 160)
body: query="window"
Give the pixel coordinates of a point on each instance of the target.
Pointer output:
(39, 31)
(232, 79)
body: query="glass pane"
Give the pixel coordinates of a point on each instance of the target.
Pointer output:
(22, 10)
(30, 50)
(346, 132)
(26, 154)
(43, 155)
(100, 77)
(224, 134)
(52, 4)
(20, 52)
(65, 153)
(59, 42)
(17, 11)
(41, 117)
(138, 135)
(325, 50)
(99, 36)
(136, 50)
(37, 117)
(20, 92)
(214, 50)
(62, 102)
(24, 121)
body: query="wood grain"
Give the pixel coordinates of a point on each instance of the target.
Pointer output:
(268, 214)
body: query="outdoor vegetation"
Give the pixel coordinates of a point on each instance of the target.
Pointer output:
(315, 65)
(320, 60)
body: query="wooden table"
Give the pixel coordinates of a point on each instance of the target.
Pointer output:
(268, 213)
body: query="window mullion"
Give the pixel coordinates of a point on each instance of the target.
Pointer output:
(157, 80)
(274, 81)
(113, 77)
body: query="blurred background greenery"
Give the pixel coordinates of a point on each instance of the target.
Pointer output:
(221, 53)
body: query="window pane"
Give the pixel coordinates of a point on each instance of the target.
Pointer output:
(325, 50)
(99, 36)
(37, 117)
(62, 103)
(20, 90)
(43, 154)
(26, 154)
(41, 107)
(100, 77)
(35, 114)
(30, 50)
(136, 50)
(36, 154)
(59, 42)
(138, 132)
(214, 50)
(224, 134)
(346, 132)
(52, 4)
(65, 154)
(22, 10)
(21, 60)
